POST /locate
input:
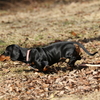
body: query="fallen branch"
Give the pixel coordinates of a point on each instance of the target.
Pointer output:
(90, 65)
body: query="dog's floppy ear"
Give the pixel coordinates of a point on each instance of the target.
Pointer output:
(15, 52)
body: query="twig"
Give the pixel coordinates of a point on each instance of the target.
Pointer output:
(91, 65)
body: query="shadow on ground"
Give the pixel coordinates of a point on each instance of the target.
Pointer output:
(58, 69)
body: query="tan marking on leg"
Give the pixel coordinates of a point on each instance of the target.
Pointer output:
(32, 63)
(45, 69)
(78, 50)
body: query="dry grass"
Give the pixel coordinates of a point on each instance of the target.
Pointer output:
(46, 25)
(30, 26)
(90, 96)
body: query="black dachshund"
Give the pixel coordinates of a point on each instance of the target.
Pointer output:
(41, 57)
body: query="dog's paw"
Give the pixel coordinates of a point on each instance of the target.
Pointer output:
(35, 69)
(46, 68)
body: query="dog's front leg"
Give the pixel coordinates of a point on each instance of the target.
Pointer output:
(39, 65)
(34, 67)
(46, 65)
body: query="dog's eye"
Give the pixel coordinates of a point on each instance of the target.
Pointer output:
(6, 53)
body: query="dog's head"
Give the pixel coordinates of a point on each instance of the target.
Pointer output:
(12, 52)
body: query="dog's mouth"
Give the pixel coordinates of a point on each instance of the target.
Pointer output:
(4, 58)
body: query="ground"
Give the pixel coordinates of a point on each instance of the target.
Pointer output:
(31, 26)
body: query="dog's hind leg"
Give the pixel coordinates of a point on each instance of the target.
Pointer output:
(73, 57)
(72, 61)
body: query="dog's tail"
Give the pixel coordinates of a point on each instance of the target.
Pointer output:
(80, 45)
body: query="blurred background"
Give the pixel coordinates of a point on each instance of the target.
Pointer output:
(5, 4)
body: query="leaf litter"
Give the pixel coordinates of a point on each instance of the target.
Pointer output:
(35, 85)
(18, 82)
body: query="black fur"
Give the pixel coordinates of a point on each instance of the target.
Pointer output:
(46, 56)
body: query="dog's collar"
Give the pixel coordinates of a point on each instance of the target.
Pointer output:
(27, 55)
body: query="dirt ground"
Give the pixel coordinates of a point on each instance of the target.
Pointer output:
(31, 26)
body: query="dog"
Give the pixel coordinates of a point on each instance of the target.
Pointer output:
(41, 57)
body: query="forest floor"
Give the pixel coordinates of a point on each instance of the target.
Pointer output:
(39, 26)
